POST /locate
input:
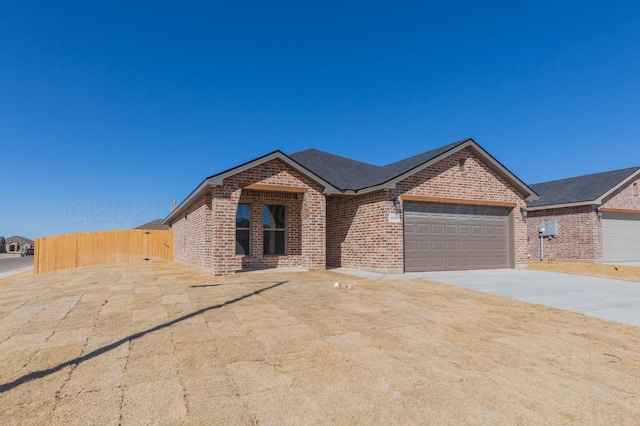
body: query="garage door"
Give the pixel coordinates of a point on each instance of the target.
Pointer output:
(620, 237)
(450, 237)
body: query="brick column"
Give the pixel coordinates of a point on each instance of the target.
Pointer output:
(223, 225)
(314, 233)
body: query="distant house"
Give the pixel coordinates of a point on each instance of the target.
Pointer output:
(17, 244)
(154, 225)
(3, 245)
(597, 217)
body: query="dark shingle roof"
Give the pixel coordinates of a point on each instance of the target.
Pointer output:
(579, 189)
(154, 225)
(343, 175)
(347, 174)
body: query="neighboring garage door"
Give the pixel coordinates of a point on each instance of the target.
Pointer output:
(450, 237)
(620, 237)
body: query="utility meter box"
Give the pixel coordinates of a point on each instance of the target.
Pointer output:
(552, 228)
(548, 229)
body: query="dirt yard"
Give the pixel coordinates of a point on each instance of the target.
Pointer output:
(164, 344)
(628, 273)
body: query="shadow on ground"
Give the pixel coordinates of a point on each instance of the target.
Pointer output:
(78, 360)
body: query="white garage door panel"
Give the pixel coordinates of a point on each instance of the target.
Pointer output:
(621, 237)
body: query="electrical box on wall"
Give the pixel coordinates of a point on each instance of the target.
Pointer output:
(548, 229)
(552, 228)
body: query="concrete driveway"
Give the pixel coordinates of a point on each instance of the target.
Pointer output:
(609, 299)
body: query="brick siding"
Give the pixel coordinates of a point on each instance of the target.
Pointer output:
(360, 235)
(579, 234)
(347, 231)
(192, 235)
(205, 236)
(579, 228)
(626, 198)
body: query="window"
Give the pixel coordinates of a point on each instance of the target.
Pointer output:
(273, 221)
(243, 220)
(635, 188)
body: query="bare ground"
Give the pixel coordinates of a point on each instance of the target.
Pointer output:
(619, 272)
(164, 344)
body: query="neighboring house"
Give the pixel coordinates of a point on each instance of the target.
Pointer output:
(597, 216)
(455, 207)
(3, 245)
(155, 224)
(16, 244)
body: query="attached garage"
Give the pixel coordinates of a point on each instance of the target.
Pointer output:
(451, 237)
(620, 237)
(597, 217)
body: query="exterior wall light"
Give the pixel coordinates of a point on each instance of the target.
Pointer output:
(599, 212)
(523, 212)
(396, 205)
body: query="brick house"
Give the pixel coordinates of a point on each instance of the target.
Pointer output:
(455, 207)
(597, 217)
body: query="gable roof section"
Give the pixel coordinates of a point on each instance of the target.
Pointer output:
(340, 175)
(218, 179)
(581, 190)
(353, 177)
(343, 173)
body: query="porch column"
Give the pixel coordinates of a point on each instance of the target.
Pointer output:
(223, 230)
(314, 230)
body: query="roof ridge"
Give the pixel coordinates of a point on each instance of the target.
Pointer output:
(631, 170)
(314, 150)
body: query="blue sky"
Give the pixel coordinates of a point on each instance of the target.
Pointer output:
(108, 110)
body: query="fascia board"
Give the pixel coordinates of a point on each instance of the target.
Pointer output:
(218, 180)
(196, 193)
(565, 205)
(391, 184)
(530, 193)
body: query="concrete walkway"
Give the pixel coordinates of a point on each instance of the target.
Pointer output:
(609, 299)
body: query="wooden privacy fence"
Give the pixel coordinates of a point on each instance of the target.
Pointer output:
(97, 248)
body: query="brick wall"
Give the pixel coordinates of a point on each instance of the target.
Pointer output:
(293, 230)
(192, 235)
(475, 181)
(347, 231)
(579, 228)
(627, 197)
(579, 234)
(205, 238)
(360, 235)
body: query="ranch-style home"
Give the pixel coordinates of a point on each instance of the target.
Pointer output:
(17, 244)
(452, 208)
(597, 217)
